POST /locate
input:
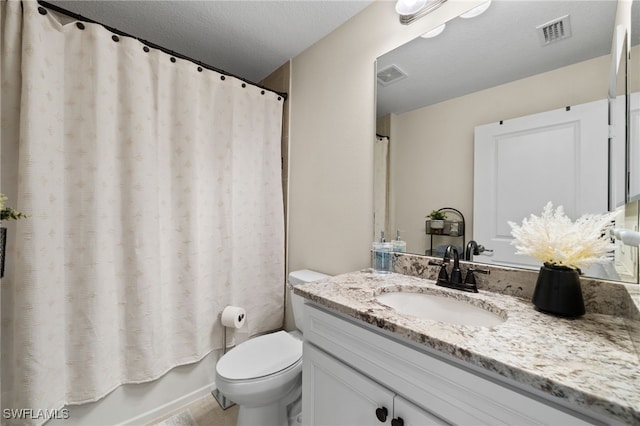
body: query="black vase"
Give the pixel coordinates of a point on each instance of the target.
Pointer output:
(558, 291)
(3, 246)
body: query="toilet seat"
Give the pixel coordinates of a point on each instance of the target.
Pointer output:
(260, 357)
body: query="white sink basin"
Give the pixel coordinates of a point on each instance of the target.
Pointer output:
(439, 308)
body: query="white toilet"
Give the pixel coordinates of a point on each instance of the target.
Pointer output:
(264, 375)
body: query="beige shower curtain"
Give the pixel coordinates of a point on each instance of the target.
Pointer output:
(154, 189)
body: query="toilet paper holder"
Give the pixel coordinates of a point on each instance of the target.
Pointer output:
(239, 319)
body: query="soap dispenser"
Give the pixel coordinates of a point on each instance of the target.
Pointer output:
(381, 252)
(399, 246)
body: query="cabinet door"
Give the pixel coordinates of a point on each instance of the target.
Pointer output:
(407, 414)
(334, 394)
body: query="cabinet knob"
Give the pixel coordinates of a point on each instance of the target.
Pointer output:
(397, 422)
(381, 414)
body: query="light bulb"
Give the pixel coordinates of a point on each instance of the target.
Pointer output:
(409, 7)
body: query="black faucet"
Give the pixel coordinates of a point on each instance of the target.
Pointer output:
(455, 281)
(470, 279)
(473, 249)
(443, 275)
(456, 274)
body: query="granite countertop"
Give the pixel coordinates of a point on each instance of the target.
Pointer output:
(589, 361)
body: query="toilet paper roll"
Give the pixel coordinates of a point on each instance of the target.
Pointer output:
(233, 316)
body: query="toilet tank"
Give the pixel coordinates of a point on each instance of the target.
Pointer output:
(301, 277)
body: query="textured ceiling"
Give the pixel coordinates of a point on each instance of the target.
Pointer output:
(495, 48)
(247, 38)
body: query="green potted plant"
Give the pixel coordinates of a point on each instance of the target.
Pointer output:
(6, 213)
(436, 219)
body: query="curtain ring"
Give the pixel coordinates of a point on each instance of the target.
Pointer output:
(80, 25)
(42, 10)
(115, 38)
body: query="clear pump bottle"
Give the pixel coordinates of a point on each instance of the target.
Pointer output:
(381, 256)
(399, 246)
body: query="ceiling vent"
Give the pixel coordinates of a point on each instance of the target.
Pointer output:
(390, 75)
(555, 30)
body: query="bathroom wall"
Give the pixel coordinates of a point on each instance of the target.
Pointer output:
(432, 147)
(332, 132)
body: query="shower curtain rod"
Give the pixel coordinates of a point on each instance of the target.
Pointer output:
(154, 46)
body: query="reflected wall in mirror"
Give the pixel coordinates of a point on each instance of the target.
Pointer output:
(633, 153)
(492, 68)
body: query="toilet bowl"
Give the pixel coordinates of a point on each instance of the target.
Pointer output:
(264, 374)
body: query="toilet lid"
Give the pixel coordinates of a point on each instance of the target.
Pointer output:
(260, 356)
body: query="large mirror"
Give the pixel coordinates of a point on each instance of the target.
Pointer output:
(518, 60)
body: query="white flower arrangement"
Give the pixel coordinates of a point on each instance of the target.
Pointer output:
(554, 239)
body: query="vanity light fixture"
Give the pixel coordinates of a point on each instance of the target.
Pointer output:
(411, 10)
(477, 11)
(434, 32)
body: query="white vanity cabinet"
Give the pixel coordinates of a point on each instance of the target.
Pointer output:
(352, 369)
(339, 395)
